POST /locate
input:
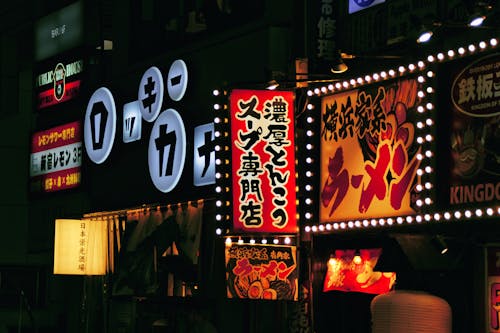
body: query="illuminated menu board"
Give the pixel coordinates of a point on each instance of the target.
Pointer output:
(56, 158)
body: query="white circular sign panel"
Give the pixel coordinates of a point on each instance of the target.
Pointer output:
(167, 150)
(150, 94)
(177, 80)
(100, 125)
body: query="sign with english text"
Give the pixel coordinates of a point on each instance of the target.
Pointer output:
(263, 161)
(59, 83)
(368, 154)
(472, 130)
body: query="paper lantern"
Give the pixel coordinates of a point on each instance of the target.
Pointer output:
(406, 311)
(80, 247)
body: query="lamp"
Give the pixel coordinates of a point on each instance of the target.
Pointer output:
(440, 244)
(479, 15)
(80, 247)
(338, 66)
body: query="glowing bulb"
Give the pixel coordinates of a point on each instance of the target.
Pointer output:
(357, 259)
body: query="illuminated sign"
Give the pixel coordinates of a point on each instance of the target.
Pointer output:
(368, 154)
(474, 137)
(177, 80)
(56, 158)
(80, 247)
(100, 125)
(59, 84)
(59, 31)
(167, 150)
(357, 5)
(352, 272)
(261, 272)
(150, 94)
(493, 290)
(167, 147)
(132, 124)
(204, 155)
(263, 160)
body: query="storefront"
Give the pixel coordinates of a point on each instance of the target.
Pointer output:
(407, 199)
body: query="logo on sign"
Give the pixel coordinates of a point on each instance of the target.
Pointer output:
(59, 81)
(167, 150)
(100, 125)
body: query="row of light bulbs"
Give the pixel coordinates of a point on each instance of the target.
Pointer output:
(424, 139)
(276, 240)
(465, 214)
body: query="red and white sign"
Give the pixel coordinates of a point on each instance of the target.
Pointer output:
(263, 161)
(56, 158)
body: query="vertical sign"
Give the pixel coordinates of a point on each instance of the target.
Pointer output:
(263, 161)
(80, 247)
(368, 154)
(326, 33)
(493, 289)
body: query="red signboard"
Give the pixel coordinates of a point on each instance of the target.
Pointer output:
(263, 161)
(493, 289)
(261, 272)
(368, 152)
(347, 273)
(59, 84)
(56, 158)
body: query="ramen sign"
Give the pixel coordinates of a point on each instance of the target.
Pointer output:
(476, 90)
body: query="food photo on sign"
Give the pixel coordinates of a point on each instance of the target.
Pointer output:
(266, 272)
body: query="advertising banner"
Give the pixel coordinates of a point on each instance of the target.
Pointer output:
(473, 126)
(347, 273)
(493, 289)
(56, 158)
(368, 152)
(263, 161)
(261, 272)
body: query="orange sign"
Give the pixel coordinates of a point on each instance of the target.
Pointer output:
(368, 154)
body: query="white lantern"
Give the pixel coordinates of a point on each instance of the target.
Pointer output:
(408, 311)
(80, 247)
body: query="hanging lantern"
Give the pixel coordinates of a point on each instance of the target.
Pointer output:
(408, 311)
(80, 247)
